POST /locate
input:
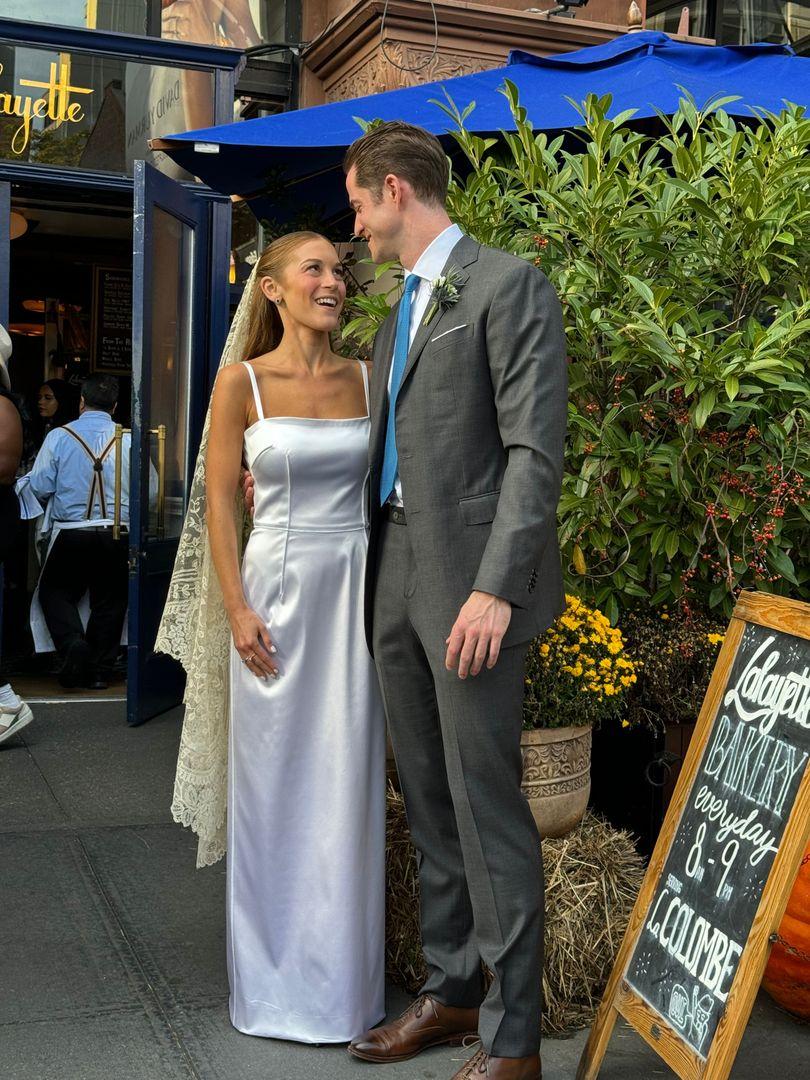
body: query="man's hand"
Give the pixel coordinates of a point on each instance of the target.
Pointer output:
(247, 491)
(478, 631)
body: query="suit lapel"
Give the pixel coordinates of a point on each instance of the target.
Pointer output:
(463, 254)
(383, 356)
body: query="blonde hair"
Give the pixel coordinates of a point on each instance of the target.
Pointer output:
(265, 328)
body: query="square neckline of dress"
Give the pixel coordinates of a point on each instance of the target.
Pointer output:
(262, 419)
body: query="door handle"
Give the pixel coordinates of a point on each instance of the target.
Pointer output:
(160, 431)
(119, 437)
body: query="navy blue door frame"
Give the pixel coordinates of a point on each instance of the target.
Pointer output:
(5, 246)
(155, 682)
(157, 685)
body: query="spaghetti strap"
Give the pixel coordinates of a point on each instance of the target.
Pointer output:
(255, 385)
(364, 369)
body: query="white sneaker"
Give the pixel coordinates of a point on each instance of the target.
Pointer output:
(16, 716)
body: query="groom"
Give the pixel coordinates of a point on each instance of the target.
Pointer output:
(468, 412)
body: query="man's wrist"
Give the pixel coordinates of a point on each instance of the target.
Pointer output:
(491, 596)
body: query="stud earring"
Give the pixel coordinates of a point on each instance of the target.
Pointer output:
(279, 301)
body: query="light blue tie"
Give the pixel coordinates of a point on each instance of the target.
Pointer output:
(401, 343)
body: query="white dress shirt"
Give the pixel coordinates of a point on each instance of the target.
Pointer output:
(428, 267)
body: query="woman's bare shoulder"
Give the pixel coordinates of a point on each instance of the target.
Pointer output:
(353, 360)
(232, 375)
(232, 388)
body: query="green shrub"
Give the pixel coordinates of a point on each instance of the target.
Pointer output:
(682, 264)
(675, 654)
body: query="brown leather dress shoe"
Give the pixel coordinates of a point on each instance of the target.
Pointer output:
(481, 1065)
(424, 1023)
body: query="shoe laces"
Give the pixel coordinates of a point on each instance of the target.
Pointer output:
(417, 1007)
(478, 1065)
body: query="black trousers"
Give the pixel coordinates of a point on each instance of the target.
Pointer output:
(86, 560)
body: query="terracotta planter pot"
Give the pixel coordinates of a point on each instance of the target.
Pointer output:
(557, 776)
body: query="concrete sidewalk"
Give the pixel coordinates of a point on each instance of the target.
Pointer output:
(112, 961)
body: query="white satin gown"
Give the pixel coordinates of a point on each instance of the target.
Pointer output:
(306, 785)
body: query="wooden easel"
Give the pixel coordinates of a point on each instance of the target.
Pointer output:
(790, 617)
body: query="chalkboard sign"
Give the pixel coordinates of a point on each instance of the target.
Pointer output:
(729, 850)
(112, 320)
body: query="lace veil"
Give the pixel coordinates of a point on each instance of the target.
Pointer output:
(194, 629)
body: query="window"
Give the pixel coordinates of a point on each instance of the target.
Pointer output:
(239, 23)
(740, 22)
(95, 112)
(125, 16)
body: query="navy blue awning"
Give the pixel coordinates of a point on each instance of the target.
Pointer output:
(292, 160)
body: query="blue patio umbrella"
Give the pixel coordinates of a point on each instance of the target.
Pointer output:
(286, 162)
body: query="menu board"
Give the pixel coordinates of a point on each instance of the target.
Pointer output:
(112, 320)
(721, 855)
(698, 939)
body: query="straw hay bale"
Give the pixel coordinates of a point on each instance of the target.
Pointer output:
(592, 878)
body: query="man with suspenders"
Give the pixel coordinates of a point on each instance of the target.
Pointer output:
(75, 469)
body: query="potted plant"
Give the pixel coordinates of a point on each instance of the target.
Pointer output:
(576, 676)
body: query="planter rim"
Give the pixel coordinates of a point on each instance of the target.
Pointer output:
(555, 734)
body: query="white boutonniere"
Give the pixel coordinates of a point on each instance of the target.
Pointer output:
(444, 293)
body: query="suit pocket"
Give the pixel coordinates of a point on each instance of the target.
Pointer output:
(453, 335)
(479, 509)
(445, 333)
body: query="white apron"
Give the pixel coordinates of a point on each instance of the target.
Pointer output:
(43, 642)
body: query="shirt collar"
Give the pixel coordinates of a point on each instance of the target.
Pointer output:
(97, 414)
(431, 262)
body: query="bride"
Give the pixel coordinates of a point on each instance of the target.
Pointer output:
(283, 714)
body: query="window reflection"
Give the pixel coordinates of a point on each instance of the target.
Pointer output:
(125, 16)
(170, 361)
(741, 22)
(664, 15)
(238, 23)
(95, 112)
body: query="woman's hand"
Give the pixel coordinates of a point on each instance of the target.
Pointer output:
(253, 643)
(248, 491)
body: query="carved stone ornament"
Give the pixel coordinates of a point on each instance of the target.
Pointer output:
(377, 73)
(557, 776)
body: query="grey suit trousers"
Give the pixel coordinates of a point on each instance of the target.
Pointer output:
(457, 748)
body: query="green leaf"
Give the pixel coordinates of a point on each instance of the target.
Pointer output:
(718, 594)
(635, 590)
(641, 287)
(732, 387)
(782, 563)
(611, 609)
(704, 407)
(658, 538)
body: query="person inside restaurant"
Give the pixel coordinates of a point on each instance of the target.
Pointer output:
(81, 599)
(57, 403)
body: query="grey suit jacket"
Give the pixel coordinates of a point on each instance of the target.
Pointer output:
(481, 417)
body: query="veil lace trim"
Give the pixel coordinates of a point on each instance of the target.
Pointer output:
(194, 629)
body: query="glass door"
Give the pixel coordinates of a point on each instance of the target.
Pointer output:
(5, 250)
(5, 266)
(180, 283)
